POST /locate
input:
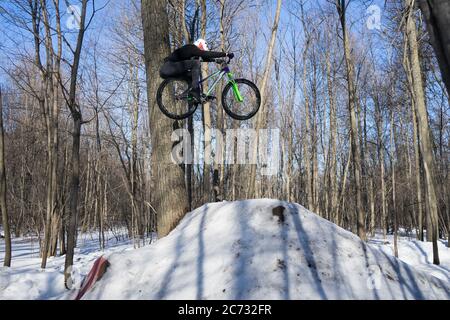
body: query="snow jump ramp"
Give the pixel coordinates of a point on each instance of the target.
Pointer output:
(261, 249)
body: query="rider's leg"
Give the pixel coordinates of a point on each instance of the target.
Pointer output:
(194, 68)
(170, 69)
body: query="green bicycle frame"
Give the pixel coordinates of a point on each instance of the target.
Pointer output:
(220, 74)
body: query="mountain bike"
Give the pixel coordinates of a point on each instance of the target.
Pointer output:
(241, 98)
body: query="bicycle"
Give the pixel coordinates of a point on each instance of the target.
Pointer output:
(241, 98)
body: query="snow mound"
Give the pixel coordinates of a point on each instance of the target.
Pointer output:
(248, 250)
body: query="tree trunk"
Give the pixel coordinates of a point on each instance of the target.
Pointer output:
(206, 117)
(417, 154)
(50, 109)
(170, 198)
(372, 206)
(62, 238)
(3, 207)
(74, 194)
(394, 200)
(437, 17)
(352, 105)
(315, 141)
(333, 134)
(260, 118)
(380, 151)
(423, 126)
(75, 159)
(220, 148)
(343, 193)
(308, 140)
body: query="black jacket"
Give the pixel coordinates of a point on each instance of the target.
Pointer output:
(191, 51)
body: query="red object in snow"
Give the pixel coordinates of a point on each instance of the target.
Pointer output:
(96, 273)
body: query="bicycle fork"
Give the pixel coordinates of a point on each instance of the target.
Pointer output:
(236, 91)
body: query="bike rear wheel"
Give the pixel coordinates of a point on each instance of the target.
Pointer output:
(173, 99)
(246, 105)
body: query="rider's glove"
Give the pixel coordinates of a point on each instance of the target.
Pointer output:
(230, 55)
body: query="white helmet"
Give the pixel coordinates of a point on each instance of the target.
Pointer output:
(201, 44)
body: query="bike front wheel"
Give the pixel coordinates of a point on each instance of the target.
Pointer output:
(173, 99)
(243, 101)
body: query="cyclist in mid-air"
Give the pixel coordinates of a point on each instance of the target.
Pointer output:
(184, 63)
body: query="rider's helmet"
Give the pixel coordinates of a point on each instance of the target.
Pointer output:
(201, 44)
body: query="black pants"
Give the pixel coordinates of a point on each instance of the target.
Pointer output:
(189, 69)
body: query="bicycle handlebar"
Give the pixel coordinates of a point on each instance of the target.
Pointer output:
(223, 61)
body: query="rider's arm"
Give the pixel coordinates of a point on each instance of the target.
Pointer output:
(207, 55)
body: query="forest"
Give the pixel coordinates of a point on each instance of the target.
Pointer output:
(357, 92)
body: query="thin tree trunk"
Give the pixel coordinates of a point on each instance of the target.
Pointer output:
(333, 134)
(380, 152)
(315, 142)
(74, 194)
(352, 105)
(344, 185)
(220, 148)
(417, 156)
(260, 119)
(372, 205)
(307, 141)
(409, 178)
(50, 108)
(75, 158)
(394, 202)
(63, 246)
(186, 37)
(62, 238)
(423, 126)
(3, 207)
(206, 116)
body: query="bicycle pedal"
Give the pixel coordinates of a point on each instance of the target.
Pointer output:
(192, 99)
(210, 98)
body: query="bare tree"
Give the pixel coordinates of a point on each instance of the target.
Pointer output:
(437, 17)
(206, 113)
(341, 6)
(415, 134)
(218, 172)
(49, 75)
(423, 126)
(70, 96)
(3, 207)
(260, 118)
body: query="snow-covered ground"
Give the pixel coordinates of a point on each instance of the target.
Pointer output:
(26, 280)
(240, 250)
(417, 253)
